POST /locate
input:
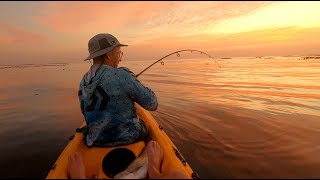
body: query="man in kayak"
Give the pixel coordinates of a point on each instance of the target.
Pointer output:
(76, 167)
(107, 95)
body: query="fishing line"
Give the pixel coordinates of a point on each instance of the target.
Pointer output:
(177, 52)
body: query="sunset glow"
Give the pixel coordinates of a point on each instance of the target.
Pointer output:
(45, 32)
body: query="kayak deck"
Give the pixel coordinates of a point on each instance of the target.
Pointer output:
(93, 156)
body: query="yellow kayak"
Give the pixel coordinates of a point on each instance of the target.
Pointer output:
(100, 160)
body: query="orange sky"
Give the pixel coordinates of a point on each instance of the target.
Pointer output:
(47, 32)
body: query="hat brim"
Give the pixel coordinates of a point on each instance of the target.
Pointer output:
(103, 51)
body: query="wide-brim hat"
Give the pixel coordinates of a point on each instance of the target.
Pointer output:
(101, 44)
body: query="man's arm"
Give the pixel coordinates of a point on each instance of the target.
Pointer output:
(144, 96)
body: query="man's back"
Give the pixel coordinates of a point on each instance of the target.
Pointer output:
(107, 103)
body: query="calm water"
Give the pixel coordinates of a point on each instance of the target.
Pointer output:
(253, 118)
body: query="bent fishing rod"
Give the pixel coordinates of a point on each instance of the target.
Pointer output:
(177, 52)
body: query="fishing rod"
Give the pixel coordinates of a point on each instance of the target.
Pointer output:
(177, 52)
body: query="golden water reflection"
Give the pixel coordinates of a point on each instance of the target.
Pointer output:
(253, 118)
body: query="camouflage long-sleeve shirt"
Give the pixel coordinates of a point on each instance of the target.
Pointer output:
(107, 97)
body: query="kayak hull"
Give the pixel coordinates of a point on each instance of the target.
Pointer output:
(93, 156)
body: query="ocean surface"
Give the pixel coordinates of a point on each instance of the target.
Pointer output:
(251, 118)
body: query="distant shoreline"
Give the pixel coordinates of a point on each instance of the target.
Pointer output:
(31, 65)
(6, 66)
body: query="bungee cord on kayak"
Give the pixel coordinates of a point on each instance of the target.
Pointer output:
(176, 52)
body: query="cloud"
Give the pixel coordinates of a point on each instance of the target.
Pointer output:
(5, 39)
(277, 14)
(272, 41)
(80, 17)
(139, 18)
(15, 35)
(200, 13)
(188, 18)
